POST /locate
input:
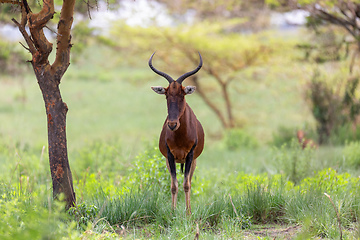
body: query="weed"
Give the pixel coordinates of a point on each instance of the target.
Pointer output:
(294, 162)
(352, 154)
(149, 169)
(239, 138)
(263, 203)
(83, 214)
(284, 135)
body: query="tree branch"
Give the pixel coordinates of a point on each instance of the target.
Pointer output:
(27, 38)
(62, 59)
(11, 2)
(40, 19)
(24, 11)
(37, 21)
(209, 102)
(335, 20)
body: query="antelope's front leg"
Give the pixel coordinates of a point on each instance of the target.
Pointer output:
(170, 163)
(190, 165)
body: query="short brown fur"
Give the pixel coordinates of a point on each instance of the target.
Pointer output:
(182, 136)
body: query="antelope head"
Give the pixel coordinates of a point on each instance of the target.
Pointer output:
(175, 94)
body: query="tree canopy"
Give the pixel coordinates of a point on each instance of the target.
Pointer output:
(225, 55)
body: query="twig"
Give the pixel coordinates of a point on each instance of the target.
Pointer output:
(197, 232)
(53, 31)
(42, 154)
(122, 232)
(25, 46)
(237, 216)
(337, 213)
(107, 222)
(26, 6)
(28, 40)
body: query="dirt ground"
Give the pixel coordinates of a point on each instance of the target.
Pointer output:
(274, 232)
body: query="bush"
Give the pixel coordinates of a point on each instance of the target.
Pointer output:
(150, 168)
(27, 217)
(284, 135)
(83, 214)
(99, 157)
(345, 133)
(352, 153)
(294, 162)
(312, 208)
(335, 107)
(238, 138)
(12, 58)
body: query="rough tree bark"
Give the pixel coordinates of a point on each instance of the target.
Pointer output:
(49, 77)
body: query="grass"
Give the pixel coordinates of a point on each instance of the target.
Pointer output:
(118, 106)
(113, 123)
(233, 204)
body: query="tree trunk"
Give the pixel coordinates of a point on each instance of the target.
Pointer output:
(208, 102)
(224, 88)
(49, 77)
(56, 111)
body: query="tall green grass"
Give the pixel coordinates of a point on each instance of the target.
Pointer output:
(122, 184)
(135, 202)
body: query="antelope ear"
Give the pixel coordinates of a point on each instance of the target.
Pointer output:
(158, 89)
(189, 90)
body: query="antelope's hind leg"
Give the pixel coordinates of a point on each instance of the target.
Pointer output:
(170, 163)
(190, 166)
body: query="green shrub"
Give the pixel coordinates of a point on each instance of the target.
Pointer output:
(352, 154)
(294, 162)
(92, 185)
(99, 157)
(150, 168)
(83, 214)
(29, 218)
(12, 58)
(344, 133)
(308, 205)
(328, 180)
(335, 107)
(262, 197)
(239, 138)
(284, 135)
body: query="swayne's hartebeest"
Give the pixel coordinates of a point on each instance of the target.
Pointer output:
(182, 136)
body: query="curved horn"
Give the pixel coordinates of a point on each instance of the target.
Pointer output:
(188, 74)
(170, 80)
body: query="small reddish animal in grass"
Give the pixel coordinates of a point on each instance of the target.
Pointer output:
(182, 136)
(304, 142)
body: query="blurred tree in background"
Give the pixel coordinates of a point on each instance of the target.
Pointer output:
(255, 13)
(334, 105)
(225, 55)
(231, 35)
(343, 14)
(334, 100)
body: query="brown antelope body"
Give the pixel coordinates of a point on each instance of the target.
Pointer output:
(182, 136)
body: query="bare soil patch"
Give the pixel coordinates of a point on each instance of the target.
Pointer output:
(274, 232)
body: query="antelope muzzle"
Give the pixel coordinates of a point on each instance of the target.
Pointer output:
(173, 125)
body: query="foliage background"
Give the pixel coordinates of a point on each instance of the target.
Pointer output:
(252, 176)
